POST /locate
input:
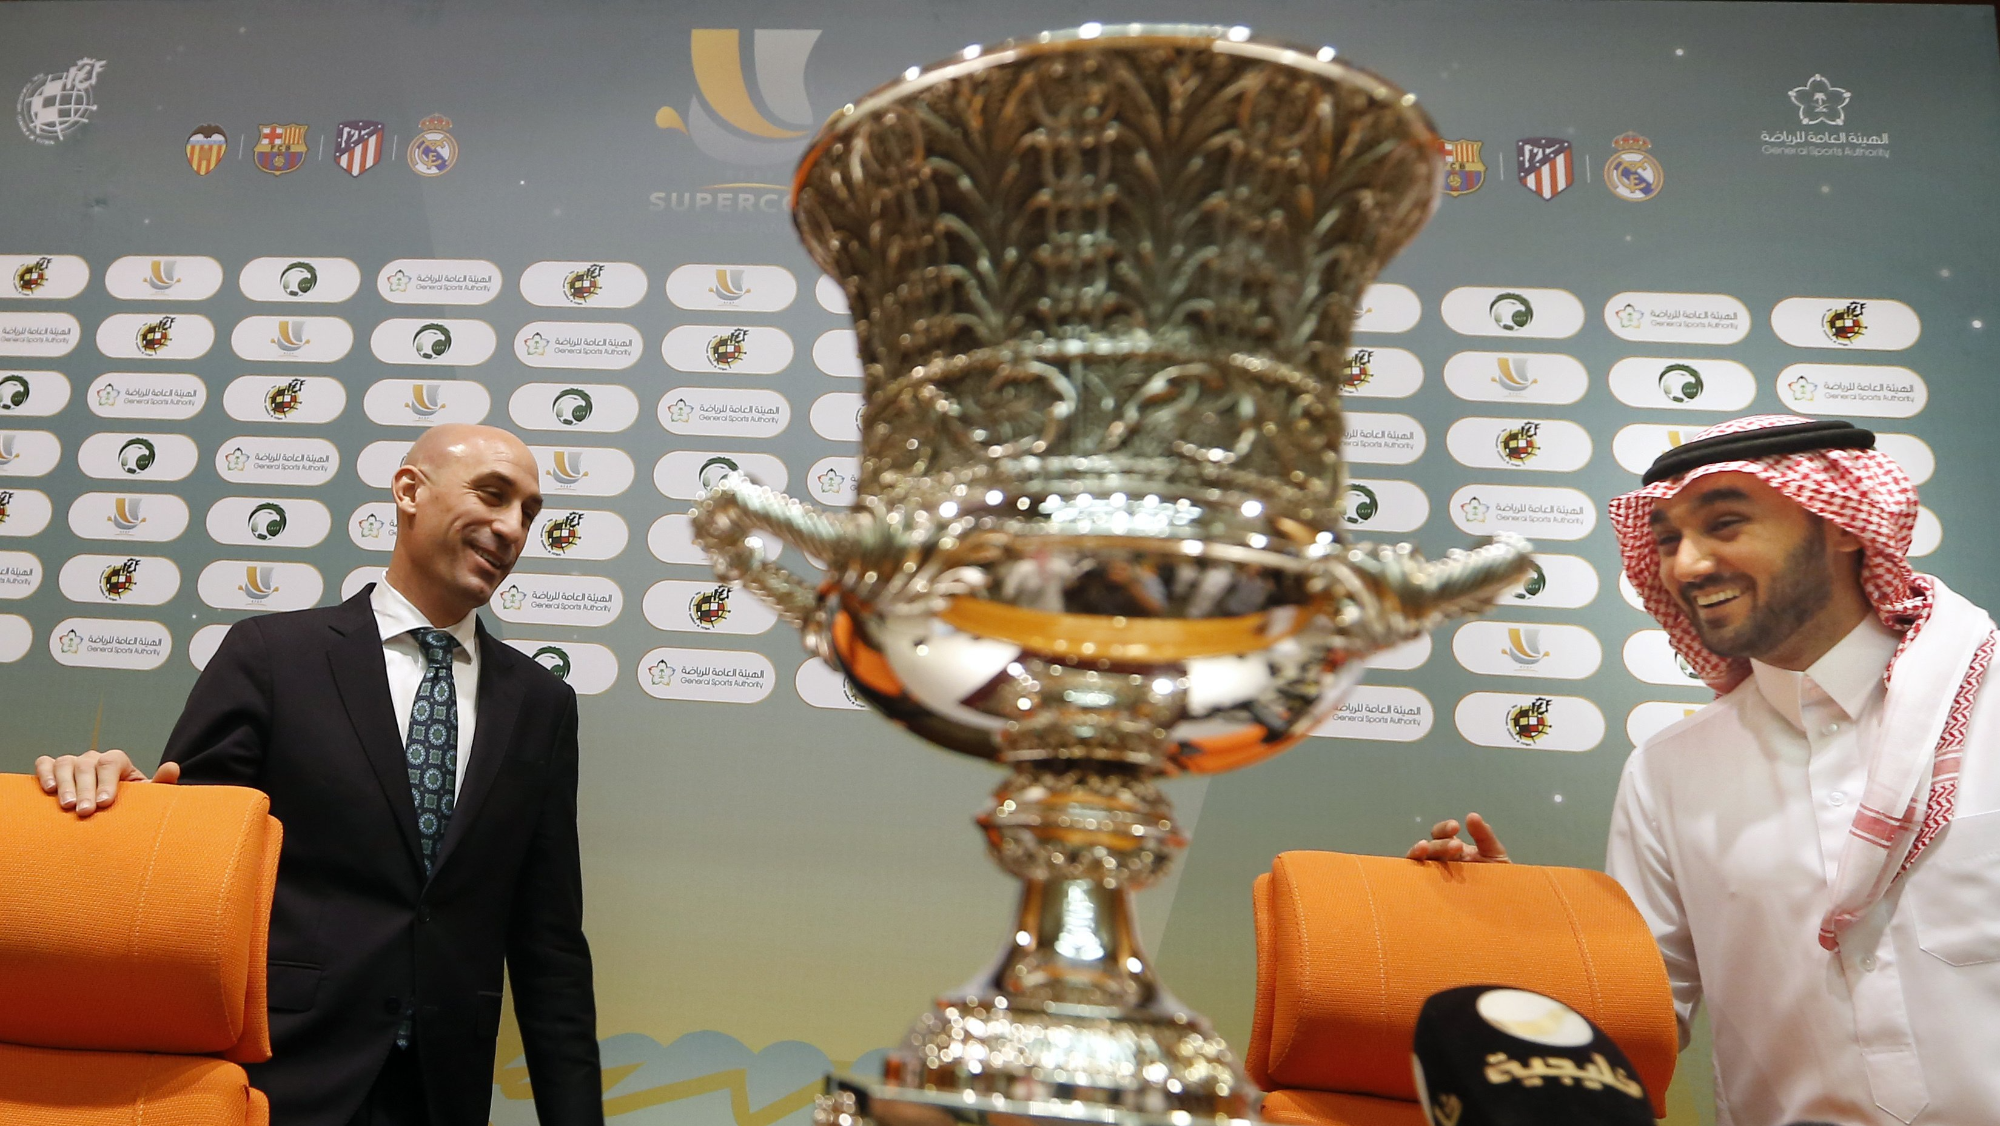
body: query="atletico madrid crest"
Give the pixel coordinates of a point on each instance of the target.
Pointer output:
(206, 147)
(1547, 166)
(357, 145)
(280, 148)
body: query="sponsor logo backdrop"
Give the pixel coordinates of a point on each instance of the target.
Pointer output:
(225, 265)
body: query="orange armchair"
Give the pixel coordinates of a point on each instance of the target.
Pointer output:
(1348, 948)
(132, 956)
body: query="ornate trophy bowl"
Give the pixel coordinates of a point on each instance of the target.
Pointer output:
(1103, 282)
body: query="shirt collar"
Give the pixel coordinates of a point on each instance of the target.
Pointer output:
(396, 615)
(1848, 674)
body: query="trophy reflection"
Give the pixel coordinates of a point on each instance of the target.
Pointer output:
(1103, 282)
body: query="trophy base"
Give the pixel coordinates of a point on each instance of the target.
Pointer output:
(850, 1101)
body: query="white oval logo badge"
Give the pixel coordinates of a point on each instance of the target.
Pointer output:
(736, 349)
(444, 342)
(1856, 389)
(320, 281)
(307, 399)
(154, 336)
(202, 646)
(438, 281)
(142, 457)
(1636, 446)
(837, 352)
(706, 607)
(1520, 719)
(824, 686)
(835, 481)
(24, 512)
(16, 638)
(359, 578)
(1668, 383)
(378, 462)
(38, 334)
(589, 669)
(1928, 535)
(671, 540)
(583, 285)
(110, 643)
(139, 517)
(576, 533)
(277, 461)
(1381, 439)
(420, 402)
(1527, 649)
(1380, 712)
(138, 277)
(1516, 377)
(29, 453)
(1411, 654)
(292, 340)
(122, 580)
(747, 289)
(20, 576)
(268, 522)
(1380, 373)
(1650, 656)
(1388, 307)
(1655, 716)
(1525, 510)
(586, 408)
(724, 412)
(720, 676)
(244, 584)
(1384, 506)
(137, 394)
(43, 277)
(583, 345)
(32, 394)
(1677, 318)
(830, 296)
(1554, 582)
(1911, 452)
(1860, 324)
(689, 474)
(558, 600)
(836, 416)
(1519, 443)
(584, 472)
(1538, 314)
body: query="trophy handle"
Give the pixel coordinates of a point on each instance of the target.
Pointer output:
(1392, 594)
(727, 519)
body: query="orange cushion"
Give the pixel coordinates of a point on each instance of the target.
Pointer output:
(161, 902)
(1331, 1108)
(1351, 946)
(44, 1087)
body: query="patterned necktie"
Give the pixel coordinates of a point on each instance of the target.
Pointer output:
(431, 749)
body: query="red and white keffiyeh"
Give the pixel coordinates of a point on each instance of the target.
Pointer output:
(1912, 778)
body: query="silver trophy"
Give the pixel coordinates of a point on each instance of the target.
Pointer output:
(1103, 282)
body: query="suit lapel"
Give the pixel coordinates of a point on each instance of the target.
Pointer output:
(499, 702)
(362, 678)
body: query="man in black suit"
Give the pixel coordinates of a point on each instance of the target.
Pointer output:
(426, 777)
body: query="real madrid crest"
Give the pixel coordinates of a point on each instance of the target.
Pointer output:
(1632, 173)
(434, 151)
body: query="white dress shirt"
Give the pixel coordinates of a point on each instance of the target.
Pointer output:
(396, 616)
(1726, 833)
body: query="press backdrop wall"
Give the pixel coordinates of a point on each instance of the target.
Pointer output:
(1762, 207)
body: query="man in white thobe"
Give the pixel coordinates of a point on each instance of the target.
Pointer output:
(1818, 851)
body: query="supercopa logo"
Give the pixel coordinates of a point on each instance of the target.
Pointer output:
(726, 350)
(709, 607)
(1518, 446)
(562, 533)
(1528, 723)
(722, 119)
(119, 579)
(284, 399)
(31, 277)
(582, 285)
(1355, 371)
(154, 336)
(1843, 323)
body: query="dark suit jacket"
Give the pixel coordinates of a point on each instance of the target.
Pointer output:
(297, 705)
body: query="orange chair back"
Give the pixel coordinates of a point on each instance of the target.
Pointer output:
(1349, 947)
(141, 929)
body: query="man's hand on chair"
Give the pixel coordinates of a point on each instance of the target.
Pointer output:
(1445, 845)
(88, 782)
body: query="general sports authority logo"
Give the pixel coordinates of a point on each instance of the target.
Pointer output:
(1528, 723)
(512, 598)
(1820, 102)
(709, 607)
(661, 673)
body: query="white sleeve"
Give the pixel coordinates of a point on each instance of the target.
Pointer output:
(1637, 859)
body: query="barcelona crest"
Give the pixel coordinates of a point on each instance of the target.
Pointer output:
(118, 579)
(582, 285)
(1528, 723)
(1463, 172)
(558, 536)
(709, 607)
(280, 148)
(1518, 446)
(728, 349)
(357, 145)
(206, 147)
(1843, 323)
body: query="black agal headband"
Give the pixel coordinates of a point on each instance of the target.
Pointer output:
(1748, 445)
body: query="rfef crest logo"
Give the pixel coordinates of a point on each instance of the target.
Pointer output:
(579, 286)
(1517, 445)
(153, 336)
(1843, 323)
(727, 349)
(283, 399)
(32, 276)
(709, 607)
(563, 533)
(53, 107)
(118, 579)
(1355, 371)
(723, 119)
(1528, 723)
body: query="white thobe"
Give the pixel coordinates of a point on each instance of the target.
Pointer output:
(1726, 833)
(403, 659)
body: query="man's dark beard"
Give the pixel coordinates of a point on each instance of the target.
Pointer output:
(1802, 588)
